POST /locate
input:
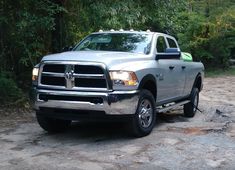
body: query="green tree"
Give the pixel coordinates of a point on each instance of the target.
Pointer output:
(31, 29)
(207, 31)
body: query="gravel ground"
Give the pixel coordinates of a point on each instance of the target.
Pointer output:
(206, 141)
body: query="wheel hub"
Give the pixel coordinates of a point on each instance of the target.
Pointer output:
(145, 113)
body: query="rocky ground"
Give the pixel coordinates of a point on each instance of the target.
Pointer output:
(206, 141)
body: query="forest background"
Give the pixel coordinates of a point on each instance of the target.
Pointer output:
(30, 29)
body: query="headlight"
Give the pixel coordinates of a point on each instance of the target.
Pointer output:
(123, 78)
(35, 73)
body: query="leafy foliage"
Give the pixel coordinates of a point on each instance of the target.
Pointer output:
(210, 36)
(88, 16)
(25, 30)
(9, 90)
(31, 29)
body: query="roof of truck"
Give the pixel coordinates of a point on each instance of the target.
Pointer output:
(125, 31)
(112, 31)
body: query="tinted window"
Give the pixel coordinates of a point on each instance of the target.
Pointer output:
(161, 45)
(171, 43)
(125, 42)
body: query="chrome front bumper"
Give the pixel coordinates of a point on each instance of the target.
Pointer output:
(114, 103)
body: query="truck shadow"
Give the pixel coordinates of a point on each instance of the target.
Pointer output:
(171, 117)
(103, 131)
(99, 131)
(92, 132)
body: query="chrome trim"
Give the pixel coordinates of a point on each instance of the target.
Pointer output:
(89, 76)
(69, 78)
(114, 103)
(69, 86)
(84, 89)
(52, 74)
(71, 93)
(161, 110)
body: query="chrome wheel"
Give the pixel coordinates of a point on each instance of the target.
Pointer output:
(143, 121)
(145, 113)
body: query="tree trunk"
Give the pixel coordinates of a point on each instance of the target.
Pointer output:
(57, 39)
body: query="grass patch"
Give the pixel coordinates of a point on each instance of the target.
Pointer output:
(220, 72)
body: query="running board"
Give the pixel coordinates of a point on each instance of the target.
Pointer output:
(172, 106)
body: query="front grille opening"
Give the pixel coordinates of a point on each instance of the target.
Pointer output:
(71, 114)
(91, 83)
(82, 69)
(55, 81)
(56, 68)
(95, 100)
(80, 82)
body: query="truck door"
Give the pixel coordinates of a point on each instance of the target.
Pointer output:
(180, 69)
(170, 81)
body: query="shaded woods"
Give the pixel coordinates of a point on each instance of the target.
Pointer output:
(31, 29)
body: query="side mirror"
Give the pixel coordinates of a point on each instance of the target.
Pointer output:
(170, 53)
(172, 50)
(67, 48)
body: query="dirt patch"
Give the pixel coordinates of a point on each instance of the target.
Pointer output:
(12, 116)
(206, 141)
(188, 130)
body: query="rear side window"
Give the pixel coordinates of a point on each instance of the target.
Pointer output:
(172, 43)
(161, 45)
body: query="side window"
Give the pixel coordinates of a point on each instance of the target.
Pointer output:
(171, 43)
(161, 45)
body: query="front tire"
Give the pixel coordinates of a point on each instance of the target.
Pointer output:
(191, 108)
(145, 117)
(52, 125)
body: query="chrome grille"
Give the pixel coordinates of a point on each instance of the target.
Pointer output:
(72, 76)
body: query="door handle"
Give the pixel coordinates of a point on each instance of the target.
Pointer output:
(183, 67)
(171, 67)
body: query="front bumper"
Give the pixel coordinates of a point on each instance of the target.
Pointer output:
(113, 103)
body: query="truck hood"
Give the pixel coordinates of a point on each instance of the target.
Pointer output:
(113, 60)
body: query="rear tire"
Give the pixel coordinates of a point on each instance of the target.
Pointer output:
(52, 125)
(145, 117)
(191, 108)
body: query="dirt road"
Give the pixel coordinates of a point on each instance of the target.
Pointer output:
(205, 142)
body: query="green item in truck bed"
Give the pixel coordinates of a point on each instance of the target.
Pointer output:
(186, 56)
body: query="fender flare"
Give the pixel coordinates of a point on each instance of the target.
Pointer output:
(145, 79)
(199, 76)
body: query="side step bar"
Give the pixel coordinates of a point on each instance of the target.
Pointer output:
(160, 110)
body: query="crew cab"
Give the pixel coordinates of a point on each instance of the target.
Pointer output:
(116, 74)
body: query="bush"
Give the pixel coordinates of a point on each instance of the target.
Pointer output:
(210, 40)
(9, 92)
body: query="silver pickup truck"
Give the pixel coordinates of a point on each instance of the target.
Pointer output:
(133, 75)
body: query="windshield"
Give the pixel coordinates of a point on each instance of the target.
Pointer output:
(124, 42)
